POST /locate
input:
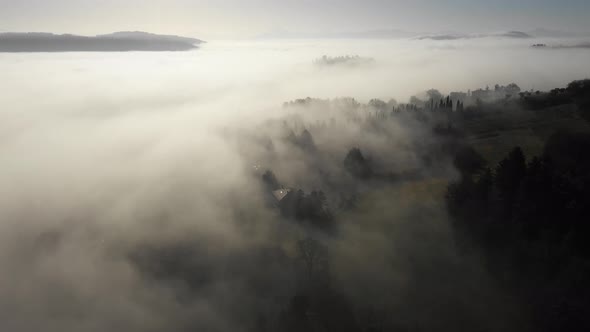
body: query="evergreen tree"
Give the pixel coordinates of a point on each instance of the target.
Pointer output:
(509, 175)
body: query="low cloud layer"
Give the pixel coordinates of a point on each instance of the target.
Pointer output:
(133, 196)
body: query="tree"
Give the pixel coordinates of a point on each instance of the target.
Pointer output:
(356, 164)
(485, 184)
(539, 240)
(468, 161)
(378, 104)
(306, 141)
(459, 106)
(569, 150)
(434, 94)
(270, 180)
(510, 172)
(314, 256)
(579, 88)
(512, 89)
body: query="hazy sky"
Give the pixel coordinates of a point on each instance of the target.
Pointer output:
(244, 18)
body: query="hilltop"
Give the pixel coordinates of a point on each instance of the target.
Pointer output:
(116, 42)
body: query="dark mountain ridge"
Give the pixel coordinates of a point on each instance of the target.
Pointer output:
(115, 42)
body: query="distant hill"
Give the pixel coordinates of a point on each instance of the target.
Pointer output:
(347, 60)
(390, 34)
(548, 33)
(514, 34)
(401, 34)
(115, 42)
(368, 34)
(149, 36)
(562, 46)
(508, 34)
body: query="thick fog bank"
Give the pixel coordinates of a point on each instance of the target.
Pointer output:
(134, 193)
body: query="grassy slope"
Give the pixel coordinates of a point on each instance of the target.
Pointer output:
(493, 133)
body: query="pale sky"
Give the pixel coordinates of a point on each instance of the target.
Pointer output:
(248, 18)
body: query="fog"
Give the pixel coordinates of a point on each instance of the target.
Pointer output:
(131, 197)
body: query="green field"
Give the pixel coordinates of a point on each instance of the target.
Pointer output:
(494, 133)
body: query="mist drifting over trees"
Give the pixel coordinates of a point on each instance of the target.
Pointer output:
(241, 187)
